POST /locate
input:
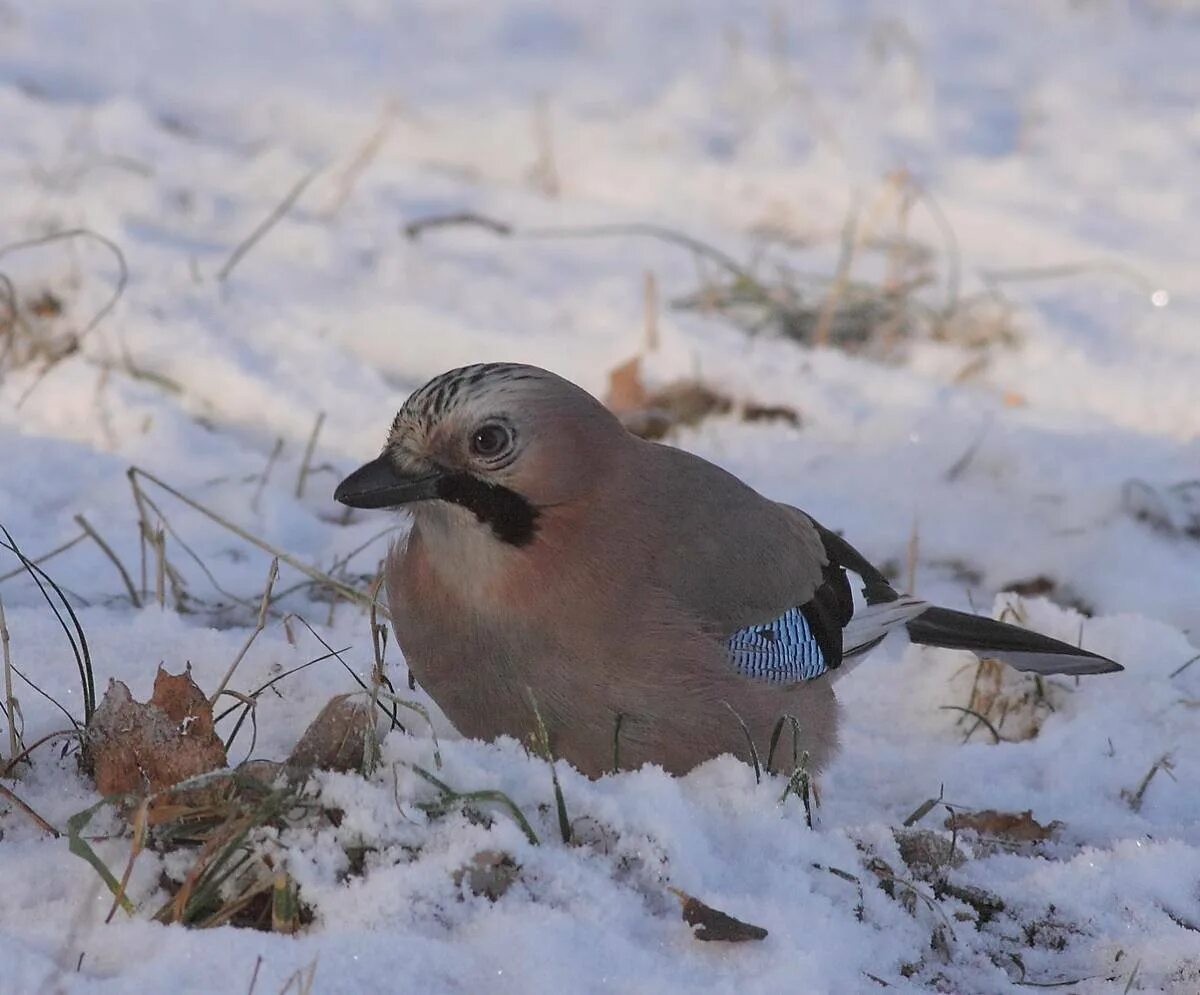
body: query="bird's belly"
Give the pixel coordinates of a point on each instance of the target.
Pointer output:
(645, 693)
(601, 726)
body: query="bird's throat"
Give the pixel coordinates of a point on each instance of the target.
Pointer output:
(512, 519)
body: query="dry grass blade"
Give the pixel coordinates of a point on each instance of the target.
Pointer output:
(261, 624)
(135, 849)
(776, 733)
(750, 741)
(983, 721)
(230, 873)
(302, 980)
(266, 474)
(860, 910)
(266, 225)
(305, 464)
(25, 753)
(345, 590)
(24, 807)
(363, 158)
(541, 741)
(418, 227)
(1179, 670)
(850, 241)
(10, 702)
(108, 551)
(1134, 798)
(39, 560)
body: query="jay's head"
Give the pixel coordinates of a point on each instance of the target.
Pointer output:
(491, 446)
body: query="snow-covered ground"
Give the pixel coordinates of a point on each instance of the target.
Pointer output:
(1059, 143)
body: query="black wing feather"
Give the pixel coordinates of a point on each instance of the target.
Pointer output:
(828, 612)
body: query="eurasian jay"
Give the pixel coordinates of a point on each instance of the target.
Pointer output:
(641, 602)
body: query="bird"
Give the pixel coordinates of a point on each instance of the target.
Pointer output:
(623, 602)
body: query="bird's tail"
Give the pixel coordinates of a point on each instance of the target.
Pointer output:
(1019, 648)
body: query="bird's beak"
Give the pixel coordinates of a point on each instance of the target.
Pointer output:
(379, 484)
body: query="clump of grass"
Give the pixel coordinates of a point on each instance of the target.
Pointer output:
(542, 747)
(68, 620)
(911, 290)
(35, 328)
(1007, 705)
(1173, 510)
(450, 798)
(235, 877)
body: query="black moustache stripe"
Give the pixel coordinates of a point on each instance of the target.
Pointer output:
(512, 519)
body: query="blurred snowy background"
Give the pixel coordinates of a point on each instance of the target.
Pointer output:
(942, 263)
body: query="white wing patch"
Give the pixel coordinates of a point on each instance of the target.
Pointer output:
(870, 623)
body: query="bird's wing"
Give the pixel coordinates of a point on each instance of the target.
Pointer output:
(760, 575)
(813, 638)
(728, 555)
(777, 586)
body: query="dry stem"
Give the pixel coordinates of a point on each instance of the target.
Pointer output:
(10, 707)
(259, 626)
(108, 551)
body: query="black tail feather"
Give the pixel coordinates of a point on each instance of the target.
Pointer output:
(1019, 648)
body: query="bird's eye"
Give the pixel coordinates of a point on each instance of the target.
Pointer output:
(490, 440)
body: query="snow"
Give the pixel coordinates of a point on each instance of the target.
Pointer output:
(1051, 134)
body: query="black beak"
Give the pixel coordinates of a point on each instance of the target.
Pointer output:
(379, 484)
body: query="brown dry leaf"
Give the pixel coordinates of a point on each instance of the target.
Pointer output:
(144, 748)
(336, 739)
(490, 873)
(689, 402)
(928, 851)
(712, 924)
(1020, 827)
(651, 414)
(626, 392)
(753, 412)
(46, 305)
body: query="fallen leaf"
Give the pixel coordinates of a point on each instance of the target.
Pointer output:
(336, 739)
(753, 412)
(490, 873)
(713, 924)
(1019, 827)
(144, 748)
(46, 305)
(927, 851)
(625, 389)
(1031, 587)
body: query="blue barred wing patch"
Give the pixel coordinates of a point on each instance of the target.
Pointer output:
(782, 650)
